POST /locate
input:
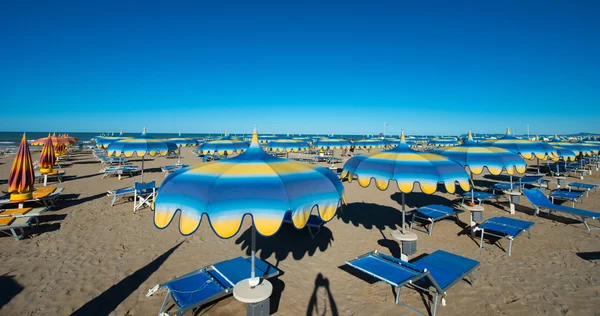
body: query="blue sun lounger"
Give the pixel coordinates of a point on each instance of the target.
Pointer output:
(583, 187)
(172, 168)
(504, 228)
(209, 283)
(520, 183)
(314, 223)
(430, 214)
(120, 193)
(539, 201)
(572, 196)
(480, 196)
(434, 273)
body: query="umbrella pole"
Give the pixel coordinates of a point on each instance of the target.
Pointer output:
(472, 187)
(253, 279)
(511, 186)
(143, 168)
(403, 212)
(179, 156)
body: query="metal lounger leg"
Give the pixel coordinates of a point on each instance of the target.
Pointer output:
(430, 229)
(435, 303)
(397, 295)
(481, 239)
(510, 241)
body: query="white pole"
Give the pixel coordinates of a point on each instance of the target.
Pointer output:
(403, 214)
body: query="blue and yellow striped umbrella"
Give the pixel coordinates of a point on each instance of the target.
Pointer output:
(369, 143)
(104, 141)
(566, 154)
(287, 145)
(181, 141)
(476, 158)
(444, 142)
(332, 143)
(253, 183)
(141, 146)
(225, 144)
(406, 167)
(263, 139)
(524, 147)
(393, 142)
(584, 149)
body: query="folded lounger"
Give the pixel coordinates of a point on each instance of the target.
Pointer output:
(480, 196)
(434, 273)
(432, 213)
(539, 201)
(572, 196)
(209, 283)
(314, 223)
(14, 220)
(504, 228)
(120, 193)
(584, 187)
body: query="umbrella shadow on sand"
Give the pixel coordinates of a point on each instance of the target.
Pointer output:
(288, 240)
(106, 302)
(419, 199)
(10, 288)
(371, 215)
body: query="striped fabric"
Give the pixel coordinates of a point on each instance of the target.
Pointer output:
(22, 176)
(183, 141)
(140, 146)
(566, 154)
(226, 144)
(56, 140)
(524, 147)
(332, 143)
(472, 155)
(369, 143)
(406, 167)
(584, 149)
(287, 145)
(253, 183)
(47, 157)
(443, 142)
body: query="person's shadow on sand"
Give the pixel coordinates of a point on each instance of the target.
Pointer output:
(321, 305)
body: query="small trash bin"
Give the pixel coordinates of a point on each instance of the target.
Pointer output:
(515, 199)
(477, 216)
(409, 247)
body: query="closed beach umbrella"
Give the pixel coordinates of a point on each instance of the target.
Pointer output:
(141, 146)
(253, 183)
(47, 157)
(406, 167)
(22, 177)
(475, 157)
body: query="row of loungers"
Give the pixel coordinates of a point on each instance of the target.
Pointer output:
(435, 273)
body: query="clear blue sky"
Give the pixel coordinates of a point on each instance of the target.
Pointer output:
(300, 67)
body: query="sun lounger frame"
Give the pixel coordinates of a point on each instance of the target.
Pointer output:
(429, 222)
(563, 209)
(501, 235)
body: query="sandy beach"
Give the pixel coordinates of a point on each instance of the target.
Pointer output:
(90, 258)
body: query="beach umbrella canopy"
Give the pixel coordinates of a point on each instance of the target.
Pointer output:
(104, 141)
(263, 139)
(21, 178)
(56, 140)
(406, 167)
(183, 141)
(369, 143)
(476, 157)
(287, 145)
(225, 144)
(443, 142)
(395, 141)
(565, 154)
(253, 183)
(526, 148)
(47, 157)
(332, 143)
(141, 146)
(584, 149)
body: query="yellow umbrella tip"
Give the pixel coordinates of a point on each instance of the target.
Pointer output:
(508, 131)
(470, 136)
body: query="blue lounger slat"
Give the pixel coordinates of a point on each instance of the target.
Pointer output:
(120, 193)
(210, 283)
(572, 196)
(582, 187)
(539, 201)
(431, 214)
(434, 273)
(505, 228)
(446, 268)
